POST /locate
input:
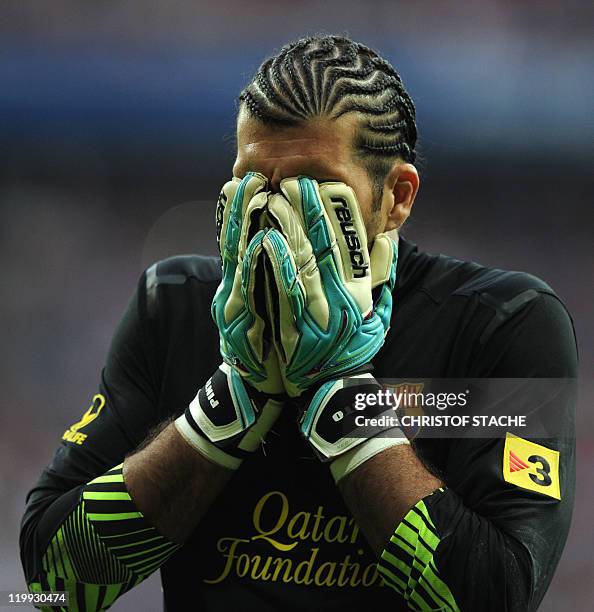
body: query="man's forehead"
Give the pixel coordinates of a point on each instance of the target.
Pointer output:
(287, 147)
(318, 138)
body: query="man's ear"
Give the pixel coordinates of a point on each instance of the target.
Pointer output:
(400, 189)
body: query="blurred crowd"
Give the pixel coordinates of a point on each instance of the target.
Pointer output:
(117, 124)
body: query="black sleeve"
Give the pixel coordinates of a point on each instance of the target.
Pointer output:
(485, 542)
(121, 414)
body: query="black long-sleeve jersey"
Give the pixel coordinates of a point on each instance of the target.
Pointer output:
(279, 537)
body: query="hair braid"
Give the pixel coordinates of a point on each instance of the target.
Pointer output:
(280, 79)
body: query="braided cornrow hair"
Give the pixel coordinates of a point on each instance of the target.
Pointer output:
(330, 76)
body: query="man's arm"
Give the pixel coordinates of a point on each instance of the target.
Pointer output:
(379, 496)
(479, 542)
(84, 529)
(102, 543)
(172, 484)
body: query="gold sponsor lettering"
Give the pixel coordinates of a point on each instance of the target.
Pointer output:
(302, 519)
(316, 534)
(229, 554)
(308, 565)
(264, 534)
(308, 572)
(275, 524)
(279, 565)
(339, 536)
(325, 574)
(263, 575)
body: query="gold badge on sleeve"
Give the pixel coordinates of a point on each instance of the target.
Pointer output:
(72, 434)
(531, 466)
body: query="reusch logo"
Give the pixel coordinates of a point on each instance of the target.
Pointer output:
(351, 238)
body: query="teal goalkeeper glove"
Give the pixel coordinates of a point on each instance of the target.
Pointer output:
(346, 423)
(238, 307)
(232, 413)
(325, 322)
(227, 420)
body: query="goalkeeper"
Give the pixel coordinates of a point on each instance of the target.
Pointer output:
(218, 447)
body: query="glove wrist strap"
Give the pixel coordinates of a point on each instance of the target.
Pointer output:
(351, 460)
(224, 423)
(206, 448)
(331, 423)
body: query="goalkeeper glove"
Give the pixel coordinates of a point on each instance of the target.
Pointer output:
(238, 305)
(325, 322)
(343, 427)
(328, 323)
(227, 419)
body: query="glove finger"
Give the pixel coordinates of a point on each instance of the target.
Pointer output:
(249, 186)
(222, 210)
(289, 225)
(346, 279)
(286, 219)
(223, 310)
(252, 295)
(287, 297)
(350, 248)
(304, 197)
(384, 260)
(254, 219)
(254, 340)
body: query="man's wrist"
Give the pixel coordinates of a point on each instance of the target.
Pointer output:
(331, 423)
(227, 420)
(204, 446)
(348, 462)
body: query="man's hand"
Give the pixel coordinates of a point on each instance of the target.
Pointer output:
(325, 322)
(233, 412)
(227, 419)
(333, 421)
(172, 484)
(238, 307)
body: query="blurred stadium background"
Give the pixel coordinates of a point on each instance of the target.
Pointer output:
(117, 130)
